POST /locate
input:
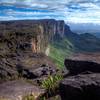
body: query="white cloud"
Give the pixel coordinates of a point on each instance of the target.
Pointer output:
(76, 11)
(3, 18)
(10, 12)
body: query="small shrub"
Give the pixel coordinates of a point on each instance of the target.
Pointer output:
(51, 83)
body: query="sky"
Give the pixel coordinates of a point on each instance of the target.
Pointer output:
(71, 11)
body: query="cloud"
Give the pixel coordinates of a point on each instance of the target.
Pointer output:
(76, 11)
(11, 12)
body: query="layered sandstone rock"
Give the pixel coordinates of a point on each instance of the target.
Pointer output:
(81, 66)
(81, 87)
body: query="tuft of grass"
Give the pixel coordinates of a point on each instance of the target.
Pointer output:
(28, 97)
(42, 98)
(51, 84)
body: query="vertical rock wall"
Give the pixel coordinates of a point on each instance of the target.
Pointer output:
(29, 36)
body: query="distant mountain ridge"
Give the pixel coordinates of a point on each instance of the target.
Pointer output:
(83, 42)
(97, 34)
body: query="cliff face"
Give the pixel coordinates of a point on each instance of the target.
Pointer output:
(30, 35)
(23, 44)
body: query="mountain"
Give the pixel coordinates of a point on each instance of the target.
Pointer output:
(24, 43)
(83, 42)
(97, 34)
(85, 27)
(71, 43)
(61, 47)
(93, 44)
(48, 36)
(31, 35)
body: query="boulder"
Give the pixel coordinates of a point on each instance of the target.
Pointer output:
(16, 90)
(42, 73)
(81, 87)
(81, 66)
(45, 70)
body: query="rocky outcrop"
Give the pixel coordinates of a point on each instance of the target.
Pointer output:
(81, 66)
(24, 43)
(40, 71)
(17, 90)
(82, 82)
(12, 67)
(81, 87)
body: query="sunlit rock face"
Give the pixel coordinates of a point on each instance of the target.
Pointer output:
(47, 51)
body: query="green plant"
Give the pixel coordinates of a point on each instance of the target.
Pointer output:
(42, 98)
(28, 97)
(51, 83)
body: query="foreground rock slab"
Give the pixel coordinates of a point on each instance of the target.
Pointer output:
(16, 90)
(81, 66)
(81, 87)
